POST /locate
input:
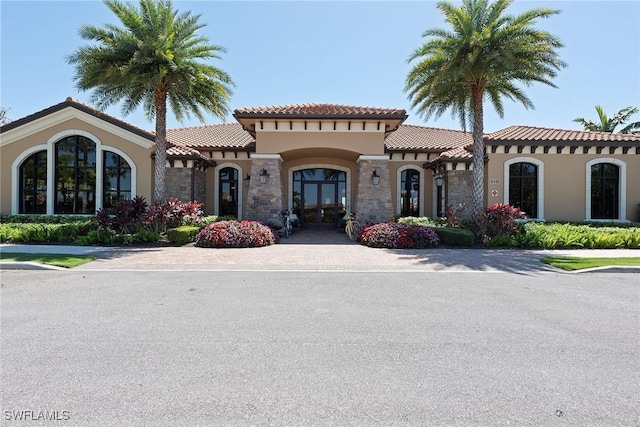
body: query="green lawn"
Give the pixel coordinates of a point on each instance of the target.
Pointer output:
(578, 263)
(59, 260)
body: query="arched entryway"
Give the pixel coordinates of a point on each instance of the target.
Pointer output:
(319, 196)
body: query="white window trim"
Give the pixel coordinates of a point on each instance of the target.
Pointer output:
(622, 190)
(317, 166)
(420, 191)
(132, 165)
(216, 188)
(49, 147)
(540, 165)
(15, 176)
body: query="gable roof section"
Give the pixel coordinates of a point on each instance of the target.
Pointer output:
(421, 138)
(221, 136)
(531, 135)
(67, 109)
(319, 111)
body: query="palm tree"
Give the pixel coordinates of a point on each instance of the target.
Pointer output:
(607, 124)
(153, 58)
(3, 116)
(483, 55)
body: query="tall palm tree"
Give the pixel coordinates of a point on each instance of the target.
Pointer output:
(483, 55)
(607, 124)
(3, 116)
(155, 57)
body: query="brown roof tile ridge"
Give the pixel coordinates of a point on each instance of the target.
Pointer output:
(435, 128)
(204, 126)
(288, 107)
(70, 101)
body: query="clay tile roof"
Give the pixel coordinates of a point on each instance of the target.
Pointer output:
(318, 110)
(532, 134)
(176, 151)
(74, 103)
(459, 153)
(462, 154)
(411, 137)
(230, 135)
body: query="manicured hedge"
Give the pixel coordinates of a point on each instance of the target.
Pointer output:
(455, 236)
(45, 232)
(182, 235)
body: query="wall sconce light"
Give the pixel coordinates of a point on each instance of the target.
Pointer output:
(263, 176)
(439, 181)
(375, 177)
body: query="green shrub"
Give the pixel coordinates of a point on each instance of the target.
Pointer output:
(45, 232)
(455, 236)
(98, 237)
(425, 221)
(571, 236)
(183, 234)
(42, 219)
(147, 236)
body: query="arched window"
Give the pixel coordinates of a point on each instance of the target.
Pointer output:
(32, 192)
(523, 187)
(605, 191)
(117, 179)
(228, 191)
(75, 175)
(410, 193)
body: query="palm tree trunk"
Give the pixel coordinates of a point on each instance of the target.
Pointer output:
(477, 204)
(161, 147)
(478, 155)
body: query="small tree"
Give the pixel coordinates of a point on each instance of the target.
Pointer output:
(606, 124)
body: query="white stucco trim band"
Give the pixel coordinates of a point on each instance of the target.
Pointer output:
(373, 157)
(266, 156)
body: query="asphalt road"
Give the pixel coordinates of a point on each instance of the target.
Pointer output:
(97, 348)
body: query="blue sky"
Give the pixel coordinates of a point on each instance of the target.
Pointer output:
(352, 53)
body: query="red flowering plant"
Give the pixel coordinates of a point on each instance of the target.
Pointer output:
(393, 235)
(235, 234)
(501, 219)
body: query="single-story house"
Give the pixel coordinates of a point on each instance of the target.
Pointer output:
(322, 160)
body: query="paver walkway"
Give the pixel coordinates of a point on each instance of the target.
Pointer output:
(312, 250)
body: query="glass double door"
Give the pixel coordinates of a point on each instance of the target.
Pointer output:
(320, 205)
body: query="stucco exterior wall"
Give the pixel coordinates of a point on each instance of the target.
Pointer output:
(565, 177)
(357, 142)
(141, 156)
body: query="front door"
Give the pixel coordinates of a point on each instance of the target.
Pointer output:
(319, 196)
(320, 203)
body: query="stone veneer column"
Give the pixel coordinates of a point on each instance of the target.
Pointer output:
(373, 202)
(265, 201)
(459, 190)
(179, 181)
